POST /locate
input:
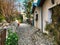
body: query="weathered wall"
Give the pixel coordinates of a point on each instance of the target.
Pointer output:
(46, 12)
(37, 24)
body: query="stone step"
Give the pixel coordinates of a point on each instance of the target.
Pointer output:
(41, 39)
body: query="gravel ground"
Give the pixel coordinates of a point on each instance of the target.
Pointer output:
(28, 35)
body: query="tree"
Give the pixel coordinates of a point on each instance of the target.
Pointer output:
(28, 5)
(8, 9)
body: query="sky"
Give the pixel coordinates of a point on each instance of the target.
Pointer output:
(21, 5)
(21, 1)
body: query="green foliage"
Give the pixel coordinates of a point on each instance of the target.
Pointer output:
(28, 5)
(1, 18)
(12, 39)
(20, 18)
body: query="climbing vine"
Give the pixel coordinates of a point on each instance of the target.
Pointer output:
(54, 27)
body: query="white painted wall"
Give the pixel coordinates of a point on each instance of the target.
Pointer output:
(24, 18)
(45, 8)
(38, 23)
(57, 1)
(46, 12)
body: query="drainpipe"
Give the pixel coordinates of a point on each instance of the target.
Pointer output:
(41, 19)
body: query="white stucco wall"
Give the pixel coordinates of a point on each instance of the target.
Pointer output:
(45, 12)
(46, 6)
(57, 1)
(38, 23)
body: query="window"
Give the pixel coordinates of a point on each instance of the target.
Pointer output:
(49, 16)
(36, 17)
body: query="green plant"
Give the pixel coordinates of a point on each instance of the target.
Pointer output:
(27, 5)
(12, 39)
(1, 18)
(54, 27)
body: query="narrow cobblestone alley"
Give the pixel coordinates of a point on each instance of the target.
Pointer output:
(28, 35)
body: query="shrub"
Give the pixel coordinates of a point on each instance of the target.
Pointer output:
(1, 18)
(12, 39)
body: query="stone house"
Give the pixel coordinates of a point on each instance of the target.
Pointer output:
(42, 11)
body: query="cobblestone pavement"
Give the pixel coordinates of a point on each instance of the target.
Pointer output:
(28, 35)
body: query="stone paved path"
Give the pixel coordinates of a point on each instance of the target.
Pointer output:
(29, 35)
